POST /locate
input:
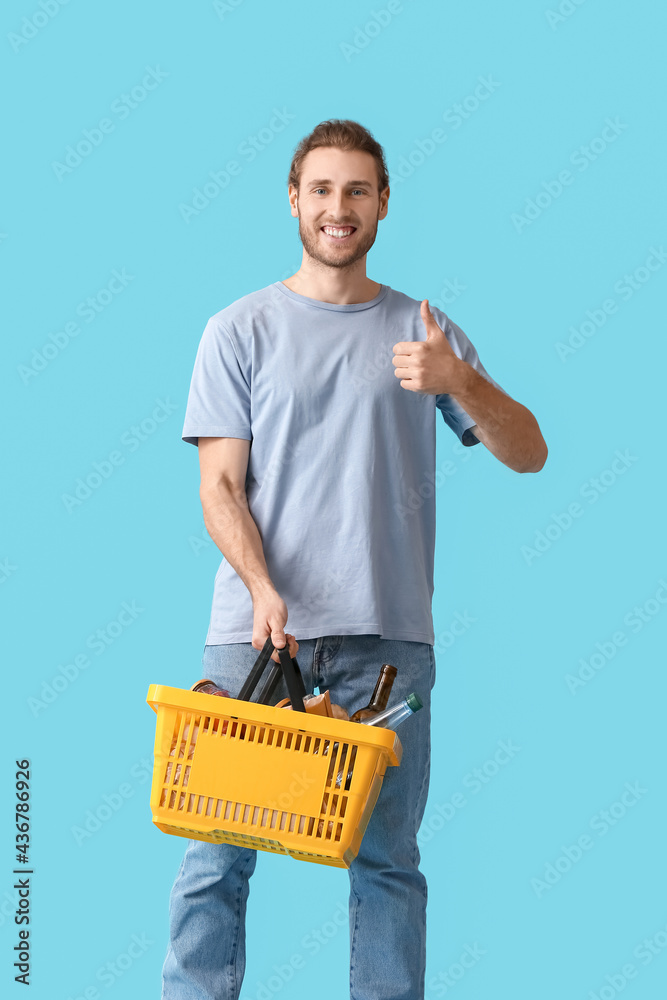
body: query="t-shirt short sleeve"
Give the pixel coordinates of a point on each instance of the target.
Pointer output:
(219, 398)
(454, 415)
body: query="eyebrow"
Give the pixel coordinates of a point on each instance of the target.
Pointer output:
(326, 180)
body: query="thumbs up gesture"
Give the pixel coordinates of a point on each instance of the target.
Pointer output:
(429, 366)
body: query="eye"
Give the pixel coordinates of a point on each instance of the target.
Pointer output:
(360, 190)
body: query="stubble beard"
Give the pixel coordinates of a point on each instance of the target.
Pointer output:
(312, 244)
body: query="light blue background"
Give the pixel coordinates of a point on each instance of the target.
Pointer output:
(135, 538)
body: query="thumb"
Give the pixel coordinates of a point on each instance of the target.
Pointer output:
(433, 331)
(278, 638)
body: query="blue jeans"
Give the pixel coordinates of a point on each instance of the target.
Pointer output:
(387, 907)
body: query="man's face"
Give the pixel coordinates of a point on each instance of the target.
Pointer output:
(338, 189)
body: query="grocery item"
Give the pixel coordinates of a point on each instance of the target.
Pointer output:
(380, 697)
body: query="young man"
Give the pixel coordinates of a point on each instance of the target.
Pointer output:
(313, 404)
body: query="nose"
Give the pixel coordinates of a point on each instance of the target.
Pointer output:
(338, 207)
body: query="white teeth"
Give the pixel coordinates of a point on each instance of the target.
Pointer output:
(337, 232)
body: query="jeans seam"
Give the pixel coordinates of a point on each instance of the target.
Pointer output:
(354, 934)
(236, 986)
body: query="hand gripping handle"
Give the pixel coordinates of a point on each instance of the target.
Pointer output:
(287, 666)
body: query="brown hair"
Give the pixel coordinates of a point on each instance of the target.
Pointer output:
(342, 134)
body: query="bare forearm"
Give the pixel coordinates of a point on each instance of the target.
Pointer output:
(506, 427)
(232, 528)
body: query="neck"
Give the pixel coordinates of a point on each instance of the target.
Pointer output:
(335, 285)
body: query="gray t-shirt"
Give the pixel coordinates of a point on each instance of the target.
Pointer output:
(342, 461)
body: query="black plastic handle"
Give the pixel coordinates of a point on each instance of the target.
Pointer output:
(290, 670)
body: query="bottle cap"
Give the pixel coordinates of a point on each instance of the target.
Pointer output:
(414, 701)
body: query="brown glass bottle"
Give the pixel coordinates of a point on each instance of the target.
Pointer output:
(378, 702)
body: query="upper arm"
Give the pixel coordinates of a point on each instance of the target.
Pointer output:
(223, 461)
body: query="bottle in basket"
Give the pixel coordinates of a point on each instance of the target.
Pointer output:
(380, 698)
(210, 687)
(393, 717)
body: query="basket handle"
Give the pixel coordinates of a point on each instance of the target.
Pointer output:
(290, 670)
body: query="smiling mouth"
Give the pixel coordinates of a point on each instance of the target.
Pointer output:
(338, 235)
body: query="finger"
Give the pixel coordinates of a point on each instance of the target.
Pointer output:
(405, 347)
(402, 373)
(258, 641)
(408, 383)
(279, 641)
(403, 360)
(429, 319)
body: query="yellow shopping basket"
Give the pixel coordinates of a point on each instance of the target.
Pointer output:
(229, 770)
